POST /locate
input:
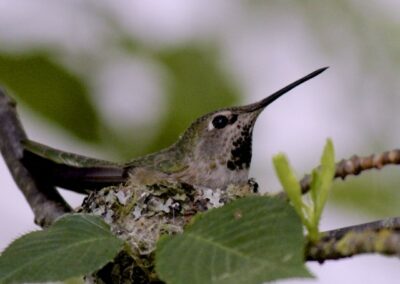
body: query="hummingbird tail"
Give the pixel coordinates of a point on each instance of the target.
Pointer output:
(70, 171)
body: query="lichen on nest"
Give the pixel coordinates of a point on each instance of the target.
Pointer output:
(140, 214)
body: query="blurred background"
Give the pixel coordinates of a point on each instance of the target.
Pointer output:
(118, 79)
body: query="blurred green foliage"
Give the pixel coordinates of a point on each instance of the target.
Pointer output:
(375, 193)
(52, 92)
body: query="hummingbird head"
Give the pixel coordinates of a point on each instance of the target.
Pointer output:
(221, 141)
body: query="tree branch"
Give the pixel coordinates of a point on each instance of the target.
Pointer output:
(375, 237)
(44, 200)
(355, 165)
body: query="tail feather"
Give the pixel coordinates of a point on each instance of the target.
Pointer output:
(70, 171)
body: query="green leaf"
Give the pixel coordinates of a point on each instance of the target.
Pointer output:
(75, 245)
(251, 240)
(289, 182)
(321, 181)
(51, 91)
(325, 176)
(314, 186)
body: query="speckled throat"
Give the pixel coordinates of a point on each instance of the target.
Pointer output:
(240, 157)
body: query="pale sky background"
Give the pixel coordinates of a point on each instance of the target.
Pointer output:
(263, 48)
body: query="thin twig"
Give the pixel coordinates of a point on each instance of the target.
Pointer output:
(376, 237)
(389, 223)
(355, 165)
(44, 200)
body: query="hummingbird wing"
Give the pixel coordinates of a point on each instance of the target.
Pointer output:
(70, 171)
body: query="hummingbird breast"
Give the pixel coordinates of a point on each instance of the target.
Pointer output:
(212, 174)
(209, 174)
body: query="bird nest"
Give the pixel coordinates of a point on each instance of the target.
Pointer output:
(141, 214)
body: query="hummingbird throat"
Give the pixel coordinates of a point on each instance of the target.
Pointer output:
(241, 152)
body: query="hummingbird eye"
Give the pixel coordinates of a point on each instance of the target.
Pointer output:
(220, 121)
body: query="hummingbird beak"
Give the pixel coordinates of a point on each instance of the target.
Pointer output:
(259, 106)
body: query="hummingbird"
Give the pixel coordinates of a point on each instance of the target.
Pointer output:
(215, 151)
